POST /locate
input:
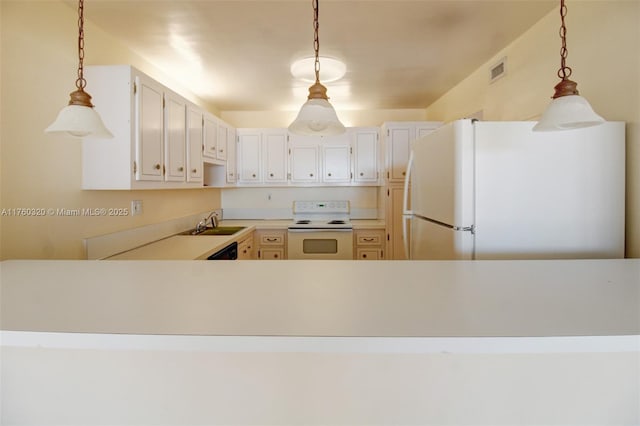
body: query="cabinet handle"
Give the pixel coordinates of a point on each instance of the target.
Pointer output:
(361, 174)
(272, 240)
(157, 167)
(404, 173)
(194, 171)
(222, 150)
(253, 175)
(275, 256)
(310, 174)
(180, 169)
(270, 174)
(329, 174)
(364, 255)
(213, 148)
(368, 239)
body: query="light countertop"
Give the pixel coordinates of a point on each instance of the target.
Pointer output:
(324, 298)
(186, 247)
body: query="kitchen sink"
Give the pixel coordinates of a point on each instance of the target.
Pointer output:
(220, 230)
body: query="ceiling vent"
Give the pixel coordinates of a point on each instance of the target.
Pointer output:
(498, 70)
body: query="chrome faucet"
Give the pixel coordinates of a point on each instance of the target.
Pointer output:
(202, 225)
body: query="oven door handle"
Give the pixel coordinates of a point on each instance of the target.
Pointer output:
(319, 230)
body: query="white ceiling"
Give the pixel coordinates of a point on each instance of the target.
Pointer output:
(236, 54)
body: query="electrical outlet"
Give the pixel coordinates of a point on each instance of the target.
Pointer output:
(136, 207)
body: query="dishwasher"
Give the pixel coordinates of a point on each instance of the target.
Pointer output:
(230, 252)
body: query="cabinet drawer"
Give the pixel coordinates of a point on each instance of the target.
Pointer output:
(368, 254)
(370, 238)
(273, 239)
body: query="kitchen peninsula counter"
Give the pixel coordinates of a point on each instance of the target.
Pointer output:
(324, 298)
(322, 342)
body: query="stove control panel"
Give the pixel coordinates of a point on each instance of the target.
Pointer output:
(321, 207)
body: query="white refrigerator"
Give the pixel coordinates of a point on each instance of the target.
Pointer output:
(498, 190)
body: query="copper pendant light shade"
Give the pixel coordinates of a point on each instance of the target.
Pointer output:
(79, 118)
(567, 110)
(317, 116)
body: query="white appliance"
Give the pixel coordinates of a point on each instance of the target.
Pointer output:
(498, 190)
(320, 230)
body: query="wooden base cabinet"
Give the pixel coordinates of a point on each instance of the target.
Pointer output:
(271, 244)
(369, 244)
(245, 247)
(393, 218)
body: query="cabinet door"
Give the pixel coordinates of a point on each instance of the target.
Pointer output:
(149, 130)
(399, 139)
(304, 164)
(245, 249)
(395, 243)
(232, 164)
(271, 254)
(365, 145)
(194, 144)
(210, 137)
(223, 136)
(175, 137)
(249, 157)
(336, 163)
(275, 157)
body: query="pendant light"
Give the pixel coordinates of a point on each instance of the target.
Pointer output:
(317, 116)
(567, 110)
(79, 118)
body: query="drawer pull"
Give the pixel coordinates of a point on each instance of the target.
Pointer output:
(368, 239)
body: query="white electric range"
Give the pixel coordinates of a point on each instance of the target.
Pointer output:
(320, 230)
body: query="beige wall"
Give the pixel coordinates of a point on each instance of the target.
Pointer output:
(603, 40)
(38, 69)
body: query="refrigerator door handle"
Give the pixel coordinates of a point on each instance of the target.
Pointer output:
(471, 228)
(406, 213)
(405, 193)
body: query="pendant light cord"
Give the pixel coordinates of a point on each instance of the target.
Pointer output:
(316, 39)
(81, 83)
(564, 72)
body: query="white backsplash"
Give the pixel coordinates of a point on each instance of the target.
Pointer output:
(276, 203)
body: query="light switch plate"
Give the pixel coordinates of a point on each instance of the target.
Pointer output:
(136, 207)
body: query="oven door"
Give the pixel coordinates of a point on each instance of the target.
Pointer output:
(320, 244)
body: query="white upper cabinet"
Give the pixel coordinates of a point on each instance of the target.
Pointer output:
(158, 135)
(194, 144)
(175, 138)
(149, 127)
(232, 147)
(366, 157)
(219, 152)
(397, 140)
(336, 162)
(262, 156)
(223, 138)
(249, 156)
(274, 145)
(275, 157)
(304, 159)
(210, 135)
